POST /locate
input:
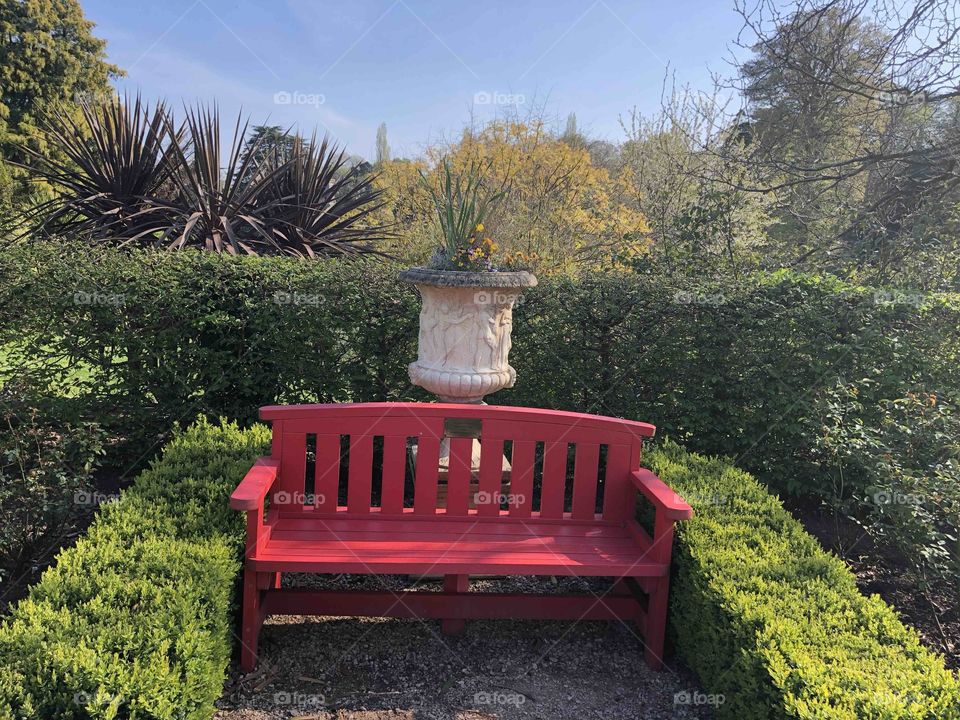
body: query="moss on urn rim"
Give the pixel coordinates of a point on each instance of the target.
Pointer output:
(465, 278)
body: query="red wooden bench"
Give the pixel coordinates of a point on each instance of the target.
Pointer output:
(306, 529)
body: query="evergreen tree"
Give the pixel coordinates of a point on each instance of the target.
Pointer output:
(571, 135)
(268, 141)
(48, 57)
(383, 148)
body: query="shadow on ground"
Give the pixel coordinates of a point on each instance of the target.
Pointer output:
(380, 669)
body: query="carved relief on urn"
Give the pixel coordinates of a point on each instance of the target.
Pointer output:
(465, 325)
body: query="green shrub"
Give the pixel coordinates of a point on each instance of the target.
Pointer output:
(776, 625)
(746, 368)
(46, 483)
(135, 620)
(743, 368)
(737, 368)
(152, 338)
(905, 455)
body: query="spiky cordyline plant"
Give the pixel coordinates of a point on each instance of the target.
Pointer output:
(217, 208)
(317, 202)
(130, 177)
(108, 172)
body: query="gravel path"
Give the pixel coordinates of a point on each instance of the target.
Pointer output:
(380, 669)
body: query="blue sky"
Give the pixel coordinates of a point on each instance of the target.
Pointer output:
(423, 67)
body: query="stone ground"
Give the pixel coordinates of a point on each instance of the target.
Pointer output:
(386, 669)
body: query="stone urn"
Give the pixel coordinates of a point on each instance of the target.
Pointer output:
(465, 324)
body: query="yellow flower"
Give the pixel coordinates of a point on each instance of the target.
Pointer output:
(479, 227)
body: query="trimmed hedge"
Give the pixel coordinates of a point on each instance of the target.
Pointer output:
(806, 381)
(46, 467)
(141, 340)
(768, 619)
(134, 622)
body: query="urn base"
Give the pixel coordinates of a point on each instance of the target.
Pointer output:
(460, 386)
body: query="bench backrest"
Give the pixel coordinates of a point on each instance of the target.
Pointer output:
(344, 435)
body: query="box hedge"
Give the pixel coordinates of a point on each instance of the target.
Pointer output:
(776, 625)
(135, 621)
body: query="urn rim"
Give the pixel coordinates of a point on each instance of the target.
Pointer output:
(466, 278)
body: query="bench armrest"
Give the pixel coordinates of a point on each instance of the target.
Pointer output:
(664, 499)
(255, 485)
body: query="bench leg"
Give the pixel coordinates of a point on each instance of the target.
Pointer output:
(656, 623)
(458, 584)
(250, 631)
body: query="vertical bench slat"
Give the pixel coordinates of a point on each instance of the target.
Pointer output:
(458, 475)
(425, 482)
(394, 464)
(490, 486)
(636, 450)
(360, 474)
(521, 477)
(585, 470)
(293, 472)
(276, 440)
(616, 494)
(326, 474)
(554, 479)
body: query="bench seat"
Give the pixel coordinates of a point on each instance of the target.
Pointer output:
(474, 546)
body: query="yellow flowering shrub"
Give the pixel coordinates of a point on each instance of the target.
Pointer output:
(560, 212)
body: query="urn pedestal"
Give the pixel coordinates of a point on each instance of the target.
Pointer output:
(463, 351)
